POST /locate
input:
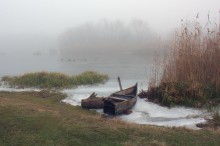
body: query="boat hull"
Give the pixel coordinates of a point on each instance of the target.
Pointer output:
(120, 102)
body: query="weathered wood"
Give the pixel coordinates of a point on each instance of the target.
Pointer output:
(121, 102)
(93, 102)
(92, 95)
(119, 81)
(117, 98)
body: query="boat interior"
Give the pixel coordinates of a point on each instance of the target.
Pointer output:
(120, 98)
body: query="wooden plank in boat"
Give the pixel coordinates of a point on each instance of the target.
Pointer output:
(117, 98)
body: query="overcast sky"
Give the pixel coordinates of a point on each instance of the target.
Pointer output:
(55, 16)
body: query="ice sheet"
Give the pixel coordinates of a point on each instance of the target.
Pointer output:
(143, 112)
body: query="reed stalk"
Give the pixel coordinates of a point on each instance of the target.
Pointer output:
(191, 70)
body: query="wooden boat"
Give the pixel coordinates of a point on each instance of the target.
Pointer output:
(120, 102)
(92, 102)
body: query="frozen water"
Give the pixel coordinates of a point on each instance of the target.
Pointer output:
(130, 70)
(149, 113)
(6, 88)
(143, 112)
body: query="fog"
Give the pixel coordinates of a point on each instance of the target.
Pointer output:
(111, 39)
(115, 37)
(73, 30)
(55, 16)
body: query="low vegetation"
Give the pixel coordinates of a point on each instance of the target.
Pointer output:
(31, 118)
(190, 73)
(54, 80)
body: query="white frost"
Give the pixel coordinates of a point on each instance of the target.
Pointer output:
(142, 113)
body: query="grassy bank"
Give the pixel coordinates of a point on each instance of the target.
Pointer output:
(29, 119)
(191, 69)
(54, 80)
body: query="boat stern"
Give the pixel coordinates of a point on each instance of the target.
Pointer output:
(109, 107)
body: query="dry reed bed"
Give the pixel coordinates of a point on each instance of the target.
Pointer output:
(190, 72)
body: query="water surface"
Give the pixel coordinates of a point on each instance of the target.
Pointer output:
(131, 71)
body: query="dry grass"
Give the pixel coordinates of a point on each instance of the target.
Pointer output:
(194, 57)
(156, 143)
(191, 68)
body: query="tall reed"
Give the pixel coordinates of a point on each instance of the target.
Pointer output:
(191, 69)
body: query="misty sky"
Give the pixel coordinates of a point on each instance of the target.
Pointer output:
(52, 17)
(75, 28)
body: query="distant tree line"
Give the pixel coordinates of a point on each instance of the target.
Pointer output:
(107, 37)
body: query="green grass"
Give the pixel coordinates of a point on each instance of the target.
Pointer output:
(29, 119)
(54, 80)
